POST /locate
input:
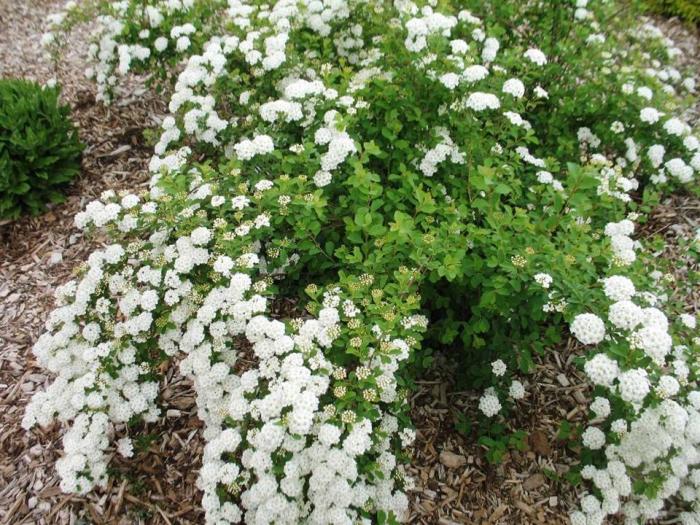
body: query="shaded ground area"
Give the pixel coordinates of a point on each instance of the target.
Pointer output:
(455, 482)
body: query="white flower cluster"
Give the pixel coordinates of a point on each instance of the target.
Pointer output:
(339, 143)
(612, 181)
(489, 403)
(618, 288)
(622, 245)
(663, 437)
(524, 153)
(514, 87)
(289, 111)
(545, 177)
(419, 29)
(535, 56)
(681, 169)
(544, 280)
(74, 348)
(259, 145)
(588, 328)
(280, 399)
(446, 150)
(479, 101)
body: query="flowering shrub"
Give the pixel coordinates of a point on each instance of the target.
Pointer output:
(144, 37)
(39, 147)
(410, 181)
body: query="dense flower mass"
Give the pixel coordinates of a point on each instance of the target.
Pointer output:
(396, 172)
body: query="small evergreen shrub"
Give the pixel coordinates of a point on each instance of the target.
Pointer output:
(687, 9)
(39, 147)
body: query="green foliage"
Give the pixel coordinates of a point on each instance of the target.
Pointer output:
(39, 147)
(687, 9)
(429, 205)
(497, 446)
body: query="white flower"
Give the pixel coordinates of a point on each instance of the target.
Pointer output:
(675, 126)
(691, 143)
(625, 315)
(489, 403)
(544, 280)
(459, 47)
(516, 119)
(260, 145)
(593, 438)
(129, 201)
(649, 115)
(498, 368)
(618, 288)
(578, 518)
(182, 43)
(689, 321)
(600, 407)
(491, 47)
(656, 154)
(679, 169)
(645, 92)
(624, 227)
(540, 92)
(161, 43)
(223, 264)
(480, 101)
(667, 387)
(329, 435)
(545, 177)
(654, 340)
(449, 80)
(474, 73)
(634, 385)
(601, 370)
(125, 447)
(322, 178)
(619, 426)
(91, 332)
(514, 87)
(516, 390)
(617, 127)
(535, 56)
(200, 236)
(589, 329)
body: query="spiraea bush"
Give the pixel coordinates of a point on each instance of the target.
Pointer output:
(39, 147)
(414, 176)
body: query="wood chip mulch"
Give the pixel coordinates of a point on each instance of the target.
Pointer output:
(677, 220)
(687, 38)
(455, 482)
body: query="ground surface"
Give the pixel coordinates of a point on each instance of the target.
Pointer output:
(455, 483)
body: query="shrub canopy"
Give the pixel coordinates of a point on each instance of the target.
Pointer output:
(411, 177)
(39, 147)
